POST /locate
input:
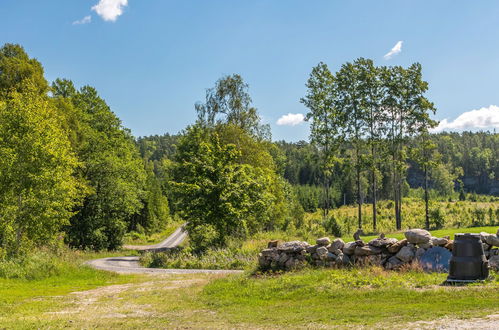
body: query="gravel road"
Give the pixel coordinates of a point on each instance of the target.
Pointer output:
(131, 265)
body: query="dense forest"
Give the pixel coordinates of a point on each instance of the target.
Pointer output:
(70, 171)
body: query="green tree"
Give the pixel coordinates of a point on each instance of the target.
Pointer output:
(229, 102)
(220, 197)
(327, 122)
(37, 188)
(16, 68)
(112, 169)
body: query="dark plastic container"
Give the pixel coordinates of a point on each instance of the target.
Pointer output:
(468, 262)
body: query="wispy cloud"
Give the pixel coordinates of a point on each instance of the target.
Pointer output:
(84, 20)
(394, 51)
(291, 119)
(484, 118)
(110, 10)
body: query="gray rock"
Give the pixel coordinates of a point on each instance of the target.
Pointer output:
(417, 236)
(393, 263)
(395, 247)
(486, 247)
(419, 253)
(324, 241)
(330, 256)
(439, 241)
(494, 262)
(349, 248)
(291, 263)
(425, 246)
(406, 254)
(382, 242)
(366, 250)
(268, 252)
(312, 248)
(293, 246)
(337, 252)
(263, 262)
(322, 252)
(283, 258)
(337, 244)
(342, 259)
(494, 252)
(490, 239)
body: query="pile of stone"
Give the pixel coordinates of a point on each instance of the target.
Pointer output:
(389, 253)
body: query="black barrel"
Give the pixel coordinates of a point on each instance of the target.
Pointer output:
(468, 262)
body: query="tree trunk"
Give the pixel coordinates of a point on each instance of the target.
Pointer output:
(427, 217)
(359, 195)
(374, 188)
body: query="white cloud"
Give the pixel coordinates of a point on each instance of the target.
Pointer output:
(394, 51)
(84, 20)
(484, 118)
(109, 10)
(291, 119)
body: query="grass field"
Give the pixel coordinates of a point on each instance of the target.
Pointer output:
(311, 298)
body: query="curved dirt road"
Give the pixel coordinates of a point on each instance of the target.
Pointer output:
(131, 265)
(174, 240)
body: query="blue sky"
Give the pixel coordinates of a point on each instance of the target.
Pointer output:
(152, 60)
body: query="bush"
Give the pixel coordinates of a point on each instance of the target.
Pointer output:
(437, 218)
(35, 265)
(210, 259)
(332, 226)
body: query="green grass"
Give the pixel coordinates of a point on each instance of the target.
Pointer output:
(28, 295)
(347, 296)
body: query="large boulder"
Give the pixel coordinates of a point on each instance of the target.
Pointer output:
(395, 247)
(349, 248)
(337, 244)
(417, 236)
(406, 254)
(323, 241)
(366, 250)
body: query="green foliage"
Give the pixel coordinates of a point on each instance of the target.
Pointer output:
(227, 258)
(214, 188)
(16, 68)
(37, 189)
(113, 171)
(230, 103)
(437, 218)
(332, 226)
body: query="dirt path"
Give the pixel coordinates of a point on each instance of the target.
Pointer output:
(131, 265)
(490, 322)
(174, 240)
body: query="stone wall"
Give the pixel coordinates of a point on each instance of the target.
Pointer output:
(389, 253)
